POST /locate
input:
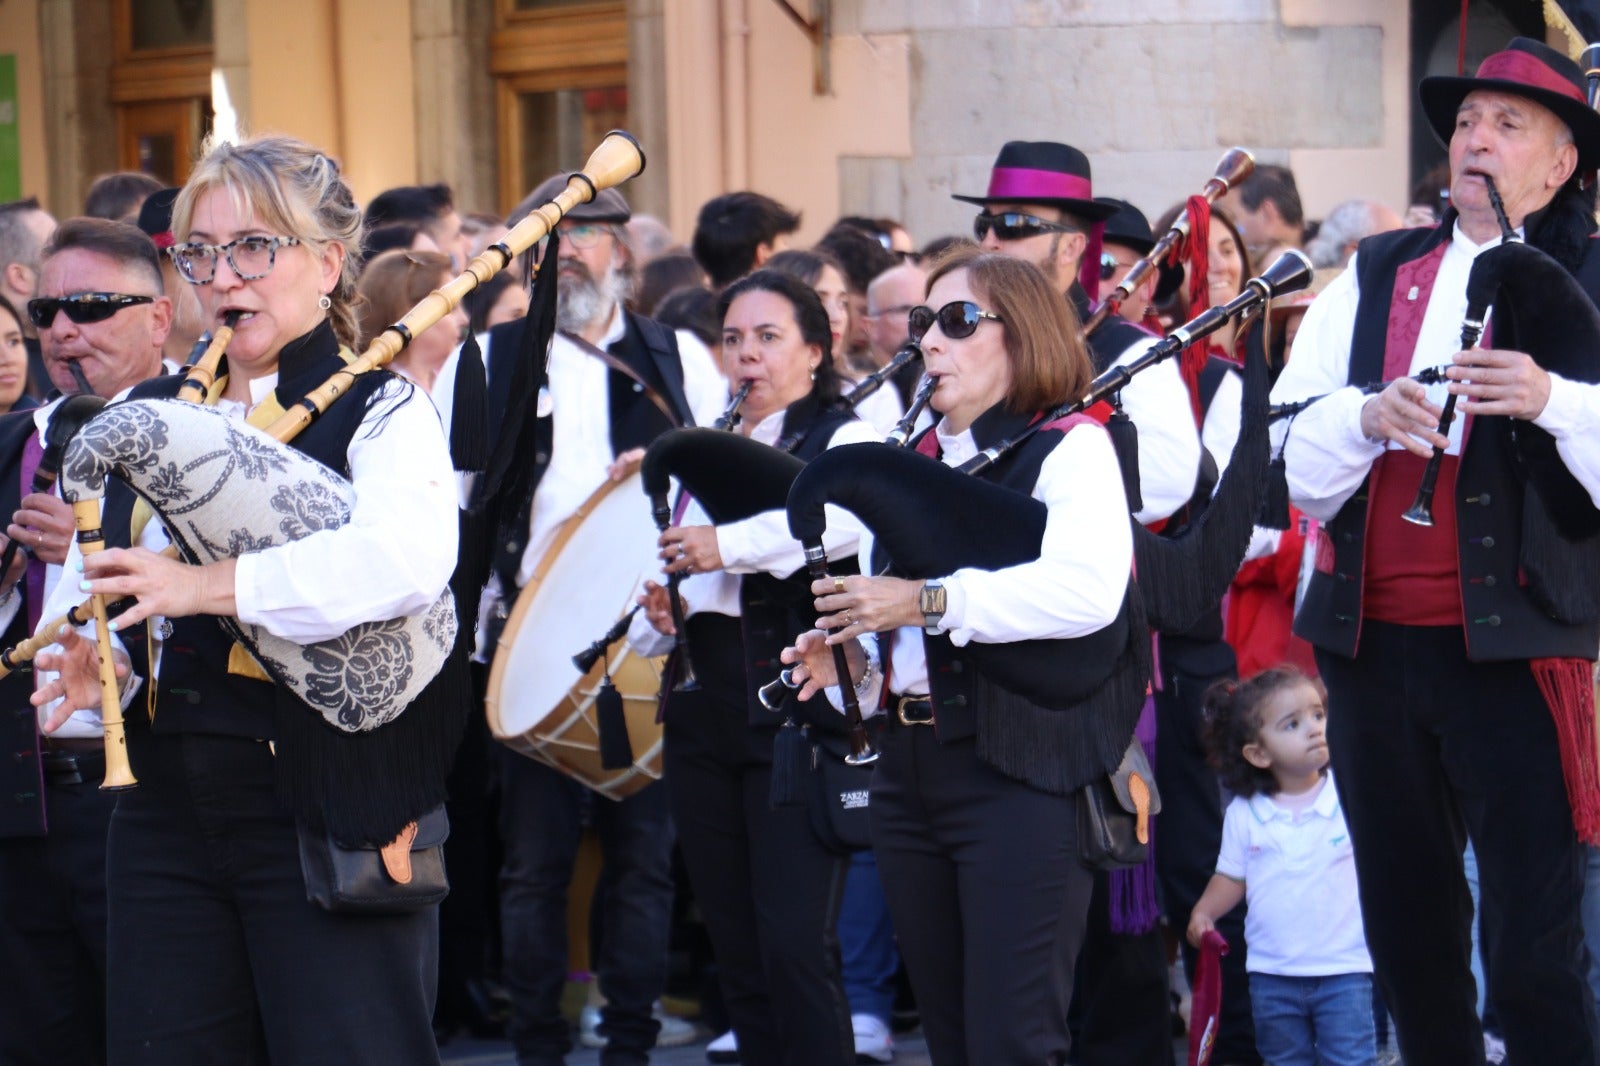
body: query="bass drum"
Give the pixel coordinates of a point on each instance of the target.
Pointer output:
(537, 703)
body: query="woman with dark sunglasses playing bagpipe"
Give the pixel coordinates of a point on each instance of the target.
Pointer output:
(767, 887)
(979, 863)
(1031, 670)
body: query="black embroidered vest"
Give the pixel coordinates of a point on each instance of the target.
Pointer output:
(1503, 618)
(1063, 746)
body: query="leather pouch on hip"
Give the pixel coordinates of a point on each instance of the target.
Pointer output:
(400, 877)
(1114, 814)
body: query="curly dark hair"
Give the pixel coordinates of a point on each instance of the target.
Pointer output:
(1233, 721)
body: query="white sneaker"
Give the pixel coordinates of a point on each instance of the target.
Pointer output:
(724, 1049)
(873, 1042)
(674, 1032)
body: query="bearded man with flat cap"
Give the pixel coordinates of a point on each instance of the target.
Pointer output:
(1040, 207)
(1459, 674)
(616, 381)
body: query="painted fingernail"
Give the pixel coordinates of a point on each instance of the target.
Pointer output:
(84, 585)
(64, 630)
(112, 626)
(78, 566)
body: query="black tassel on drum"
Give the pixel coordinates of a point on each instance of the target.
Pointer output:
(1125, 441)
(616, 751)
(791, 750)
(1275, 496)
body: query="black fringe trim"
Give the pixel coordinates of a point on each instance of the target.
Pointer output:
(1060, 751)
(1184, 577)
(364, 787)
(469, 414)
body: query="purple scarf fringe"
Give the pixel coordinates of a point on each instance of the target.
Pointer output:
(1134, 909)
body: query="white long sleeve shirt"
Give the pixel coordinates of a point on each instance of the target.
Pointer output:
(759, 544)
(392, 559)
(1327, 454)
(1076, 585)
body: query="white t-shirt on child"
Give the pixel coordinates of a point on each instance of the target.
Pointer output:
(1299, 873)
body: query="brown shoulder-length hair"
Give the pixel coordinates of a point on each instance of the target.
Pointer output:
(1049, 361)
(393, 284)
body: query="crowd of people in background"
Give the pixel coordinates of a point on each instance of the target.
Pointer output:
(799, 961)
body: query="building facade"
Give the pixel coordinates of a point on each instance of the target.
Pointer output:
(880, 107)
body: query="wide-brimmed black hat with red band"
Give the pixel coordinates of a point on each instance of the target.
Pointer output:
(1529, 69)
(1043, 172)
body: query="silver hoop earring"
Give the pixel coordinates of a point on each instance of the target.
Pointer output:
(323, 302)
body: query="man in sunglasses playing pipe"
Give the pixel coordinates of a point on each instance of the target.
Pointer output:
(100, 311)
(1040, 207)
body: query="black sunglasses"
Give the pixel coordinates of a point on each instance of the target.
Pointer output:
(1015, 226)
(84, 308)
(957, 319)
(1108, 266)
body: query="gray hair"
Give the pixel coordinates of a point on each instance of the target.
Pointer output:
(1346, 225)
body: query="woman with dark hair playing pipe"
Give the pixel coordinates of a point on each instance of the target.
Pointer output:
(980, 864)
(768, 889)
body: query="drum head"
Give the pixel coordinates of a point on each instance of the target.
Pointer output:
(585, 581)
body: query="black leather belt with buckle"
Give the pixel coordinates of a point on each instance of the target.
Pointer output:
(914, 710)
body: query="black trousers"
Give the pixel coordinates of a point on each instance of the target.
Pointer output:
(1431, 749)
(541, 821)
(1189, 827)
(988, 898)
(53, 929)
(768, 892)
(216, 958)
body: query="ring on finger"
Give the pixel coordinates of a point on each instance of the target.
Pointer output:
(849, 618)
(838, 585)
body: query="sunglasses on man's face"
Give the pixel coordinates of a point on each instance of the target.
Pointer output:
(83, 309)
(1015, 226)
(956, 320)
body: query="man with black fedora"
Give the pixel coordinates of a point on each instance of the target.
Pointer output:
(1040, 207)
(1459, 675)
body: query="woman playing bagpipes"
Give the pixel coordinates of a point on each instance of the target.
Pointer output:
(974, 813)
(216, 953)
(768, 888)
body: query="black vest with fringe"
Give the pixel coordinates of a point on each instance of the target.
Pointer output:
(1060, 748)
(363, 787)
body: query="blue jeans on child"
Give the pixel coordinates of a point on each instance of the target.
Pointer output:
(1314, 1021)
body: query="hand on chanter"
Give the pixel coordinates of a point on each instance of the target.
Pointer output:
(1402, 413)
(1491, 381)
(77, 664)
(159, 584)
(811, 660)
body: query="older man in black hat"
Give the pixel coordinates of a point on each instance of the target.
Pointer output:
(1457, 693)
(1040, 206)
(613, 379)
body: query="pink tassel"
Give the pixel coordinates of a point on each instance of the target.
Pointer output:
(1568, 689)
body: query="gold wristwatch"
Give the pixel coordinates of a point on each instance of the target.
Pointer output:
(931, 601)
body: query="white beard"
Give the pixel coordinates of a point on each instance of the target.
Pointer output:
(581, 301)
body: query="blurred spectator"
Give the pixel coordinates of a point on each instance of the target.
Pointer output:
(940, 245)
(430, 206)
(481, 230)
(1266, 208)
(664, 275)
(888, 232)
(396, 236)
(393, 284)
(1345, 227)
(1429, 198)
(693, 309)
(24, 229)
(500, 299)
(651, 238)
(862, 258)
(738, 232)
(118, 196)
(188, 319)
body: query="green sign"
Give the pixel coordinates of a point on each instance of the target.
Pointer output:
(10, 142)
